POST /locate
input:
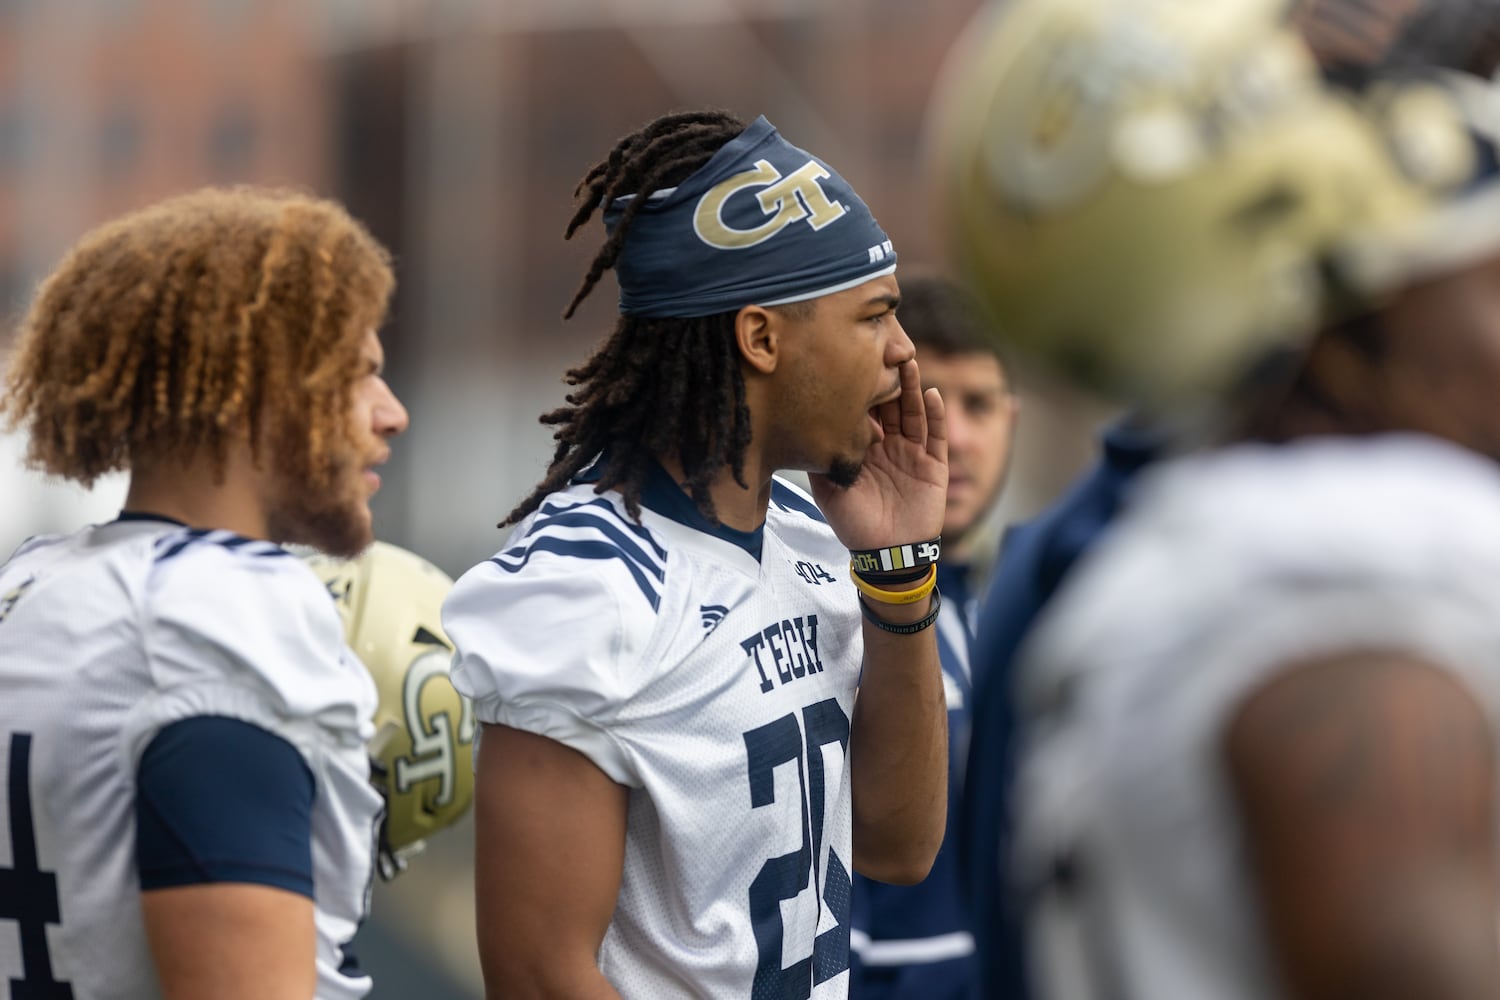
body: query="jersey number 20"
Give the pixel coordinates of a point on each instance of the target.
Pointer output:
(776, 743)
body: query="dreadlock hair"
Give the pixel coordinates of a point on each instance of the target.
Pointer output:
(656, 386)
(213, 315)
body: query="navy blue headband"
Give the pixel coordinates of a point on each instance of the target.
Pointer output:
(761, 223)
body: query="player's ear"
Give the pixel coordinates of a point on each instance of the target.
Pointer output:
(757, 331)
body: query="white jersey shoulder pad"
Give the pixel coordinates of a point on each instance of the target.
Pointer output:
(223, 610)
(548, 632)
(1230, 564)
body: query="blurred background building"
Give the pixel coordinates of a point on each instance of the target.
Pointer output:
(456, 129)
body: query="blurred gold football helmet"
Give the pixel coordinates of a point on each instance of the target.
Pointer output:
(1154, 196)
(421, 756)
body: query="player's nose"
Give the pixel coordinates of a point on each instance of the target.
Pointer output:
(391, 417)
(899, 349)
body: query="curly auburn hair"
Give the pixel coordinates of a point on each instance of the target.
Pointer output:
(169, 332)
(657, 386)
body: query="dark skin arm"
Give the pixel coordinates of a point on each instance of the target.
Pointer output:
(898, 743)
(231, 940)
(551, 833)
(1366, 788)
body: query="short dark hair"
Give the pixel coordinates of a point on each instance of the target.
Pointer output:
(942, 317)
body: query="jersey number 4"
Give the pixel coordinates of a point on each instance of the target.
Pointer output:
(28, 895)
(781, 742)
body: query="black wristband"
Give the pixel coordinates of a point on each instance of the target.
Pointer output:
(910, 628)
(900, 576)
(897, 557)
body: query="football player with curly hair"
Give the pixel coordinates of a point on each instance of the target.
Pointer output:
(188, 808)
(674, 777)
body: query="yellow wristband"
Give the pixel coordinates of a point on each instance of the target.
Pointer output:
(874, 593)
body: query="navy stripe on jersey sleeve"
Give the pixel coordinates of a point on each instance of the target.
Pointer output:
(220, 800)
(789, 500)
(631, 545)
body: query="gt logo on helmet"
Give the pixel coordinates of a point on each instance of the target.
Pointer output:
(432, 741)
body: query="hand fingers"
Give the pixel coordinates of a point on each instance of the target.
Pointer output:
(937, 425)
(913, 407)
(889, 413)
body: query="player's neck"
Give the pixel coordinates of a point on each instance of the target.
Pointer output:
(190, 492)
(738, 508)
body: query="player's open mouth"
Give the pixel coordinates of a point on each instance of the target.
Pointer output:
(877, 428)
(372, 478)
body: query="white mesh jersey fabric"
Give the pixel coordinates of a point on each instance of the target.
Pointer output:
(108, 635)
(719, 690)
(1227, 567)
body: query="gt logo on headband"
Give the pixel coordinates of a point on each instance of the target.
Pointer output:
(786, 200)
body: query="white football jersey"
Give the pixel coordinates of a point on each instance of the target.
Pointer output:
(719, 689)
(1227, 566)
(107, 636)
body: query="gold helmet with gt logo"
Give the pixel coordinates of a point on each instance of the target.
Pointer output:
(421, 756)
(1157, 197)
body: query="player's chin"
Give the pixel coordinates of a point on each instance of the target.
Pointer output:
(844, 472)
(346, 544)
(340, 530)
(358, 531)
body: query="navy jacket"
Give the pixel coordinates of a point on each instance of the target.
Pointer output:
(1034, 558)
(916, 941)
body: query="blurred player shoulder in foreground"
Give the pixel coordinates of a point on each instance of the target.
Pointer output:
(1224, 711)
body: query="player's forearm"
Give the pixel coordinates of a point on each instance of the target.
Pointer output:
(523, 977)
(899, 754)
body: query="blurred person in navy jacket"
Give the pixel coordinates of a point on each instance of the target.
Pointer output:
(916, 940)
